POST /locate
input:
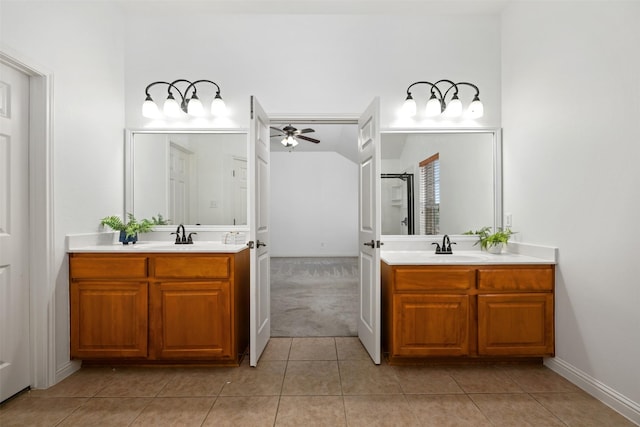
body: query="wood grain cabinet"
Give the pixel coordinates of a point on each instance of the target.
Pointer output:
(467, 311)
(159, 308)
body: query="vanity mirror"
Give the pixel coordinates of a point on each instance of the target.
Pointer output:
(187, 177)
(443, 181)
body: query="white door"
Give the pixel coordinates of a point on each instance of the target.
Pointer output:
(369, 229)
(14, 232)
(239, 191)
(260, 299)
(179, 174)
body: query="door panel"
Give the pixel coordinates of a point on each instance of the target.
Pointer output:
(369, 229)
(260, 299)
(14, 232)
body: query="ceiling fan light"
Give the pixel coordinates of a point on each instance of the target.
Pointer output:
(149, 108)
(171, 107)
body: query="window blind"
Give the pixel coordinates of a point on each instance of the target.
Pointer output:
(430, 195)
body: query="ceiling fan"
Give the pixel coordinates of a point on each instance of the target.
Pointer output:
(291, 134)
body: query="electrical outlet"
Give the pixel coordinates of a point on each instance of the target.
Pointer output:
(508, 220)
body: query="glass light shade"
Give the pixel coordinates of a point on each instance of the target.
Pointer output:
(218, 107)
(289, 142)
(171, 107)
(150, 109)
(454, 108)
(433, 107)
(194, 107)
(409, 108)
(476, 109)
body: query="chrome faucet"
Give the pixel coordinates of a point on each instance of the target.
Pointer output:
(445, 249)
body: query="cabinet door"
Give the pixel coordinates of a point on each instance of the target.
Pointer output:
(190, 320)
(516, 324)
(108, 320)
(430, 325)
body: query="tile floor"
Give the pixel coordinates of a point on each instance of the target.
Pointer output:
(311, 382)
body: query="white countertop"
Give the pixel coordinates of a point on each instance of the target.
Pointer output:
(412, 257)
(154, 246)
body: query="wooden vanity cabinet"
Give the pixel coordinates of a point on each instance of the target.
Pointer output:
(160, 308)
(467, 311)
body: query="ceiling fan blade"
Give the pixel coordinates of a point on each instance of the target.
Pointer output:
(306, 138)
(277, 135)
(305, 130)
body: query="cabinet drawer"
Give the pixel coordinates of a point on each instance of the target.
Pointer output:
(192, 267)
(516, 279)
(434, 278)
(127, 267)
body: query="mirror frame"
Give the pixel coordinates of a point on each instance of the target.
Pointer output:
(129, 179)
(496, 134)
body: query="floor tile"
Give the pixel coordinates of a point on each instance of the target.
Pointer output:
(137, 382)
(108, 411)
(311, 411)
(483, 379)
(362, 377)
(580, 409)
(255, 411)
(446, 410)
(86, 382)
(313, 349)
(538, 379)
(370, 411)
(426, 380)
(192, 382)
(26, 410)
(312, 377)
(264, 380)
(517, 409)
(175, 411)
(277, 349)
(350, 348)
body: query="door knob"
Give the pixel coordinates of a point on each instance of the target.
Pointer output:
(371, 243)
(259, 243)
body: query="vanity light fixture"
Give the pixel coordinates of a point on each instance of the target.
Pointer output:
(190, 105)
(437, 103)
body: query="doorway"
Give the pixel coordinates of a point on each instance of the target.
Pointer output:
(314, 223)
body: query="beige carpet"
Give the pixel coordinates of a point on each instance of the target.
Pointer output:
(314, 297)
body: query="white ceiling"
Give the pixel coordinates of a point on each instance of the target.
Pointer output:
(340, 138)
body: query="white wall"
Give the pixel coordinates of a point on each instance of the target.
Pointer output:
(325, 64)
(314, 205)
(83, 45)
(571, 108)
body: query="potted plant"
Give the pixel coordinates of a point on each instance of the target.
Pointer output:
(129, 230)
(492, 242)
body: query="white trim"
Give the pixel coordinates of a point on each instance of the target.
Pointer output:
(610, 397)
(41, 221)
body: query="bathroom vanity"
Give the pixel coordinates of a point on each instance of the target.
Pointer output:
(160, 304)
(466, 307)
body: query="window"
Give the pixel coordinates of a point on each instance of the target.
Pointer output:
(430, 195)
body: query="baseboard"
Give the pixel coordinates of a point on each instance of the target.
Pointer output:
(620, 403)
(66, 369)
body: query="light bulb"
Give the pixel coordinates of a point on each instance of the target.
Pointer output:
(218, 107)
(149, 108)
(194, 107)
(476, 109)
(409, 108)
(434, 107)
(454, 107)
(171, 107)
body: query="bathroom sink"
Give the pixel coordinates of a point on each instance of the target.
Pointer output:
(424, 257)
(198, 246)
